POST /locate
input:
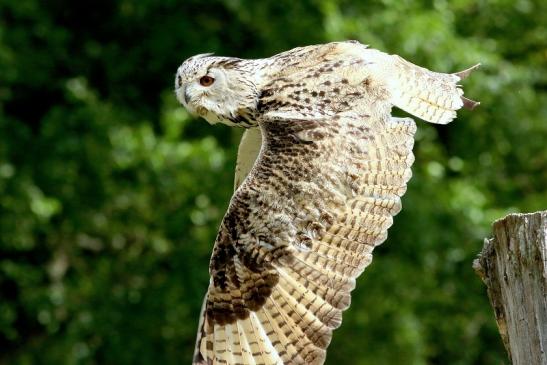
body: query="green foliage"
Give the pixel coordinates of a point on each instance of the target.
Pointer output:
(110, 194)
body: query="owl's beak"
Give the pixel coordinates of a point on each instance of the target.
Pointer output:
(186, 96)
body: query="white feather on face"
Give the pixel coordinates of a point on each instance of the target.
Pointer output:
(218, 89)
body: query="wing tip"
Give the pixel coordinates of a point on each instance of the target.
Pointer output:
(465, 73)
(470, 104)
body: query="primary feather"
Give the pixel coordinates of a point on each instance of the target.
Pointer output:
(320, 175)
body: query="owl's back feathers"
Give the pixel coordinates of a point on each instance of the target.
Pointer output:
(349, 75)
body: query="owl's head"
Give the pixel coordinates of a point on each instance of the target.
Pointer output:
(218, 89)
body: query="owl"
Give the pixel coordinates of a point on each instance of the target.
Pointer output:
(321, 169)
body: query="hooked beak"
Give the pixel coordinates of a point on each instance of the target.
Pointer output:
(186, 96)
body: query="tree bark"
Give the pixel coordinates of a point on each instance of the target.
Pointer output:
(513, 265)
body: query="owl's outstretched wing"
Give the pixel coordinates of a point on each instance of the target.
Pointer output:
(297, 233)
(352, 76)
(432, 96)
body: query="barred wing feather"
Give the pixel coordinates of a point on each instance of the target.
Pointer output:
(299, 230)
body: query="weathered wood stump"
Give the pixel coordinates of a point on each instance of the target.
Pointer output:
(513, 265)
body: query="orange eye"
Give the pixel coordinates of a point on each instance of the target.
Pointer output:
(206, 81)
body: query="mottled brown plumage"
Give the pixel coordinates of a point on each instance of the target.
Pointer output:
(304, 219)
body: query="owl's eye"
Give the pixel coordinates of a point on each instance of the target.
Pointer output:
(206, 81)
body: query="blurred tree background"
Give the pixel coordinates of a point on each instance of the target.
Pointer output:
(111, 194)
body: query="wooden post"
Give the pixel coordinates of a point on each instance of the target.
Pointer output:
(513, 265)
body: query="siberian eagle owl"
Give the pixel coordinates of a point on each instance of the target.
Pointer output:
(320, 173)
